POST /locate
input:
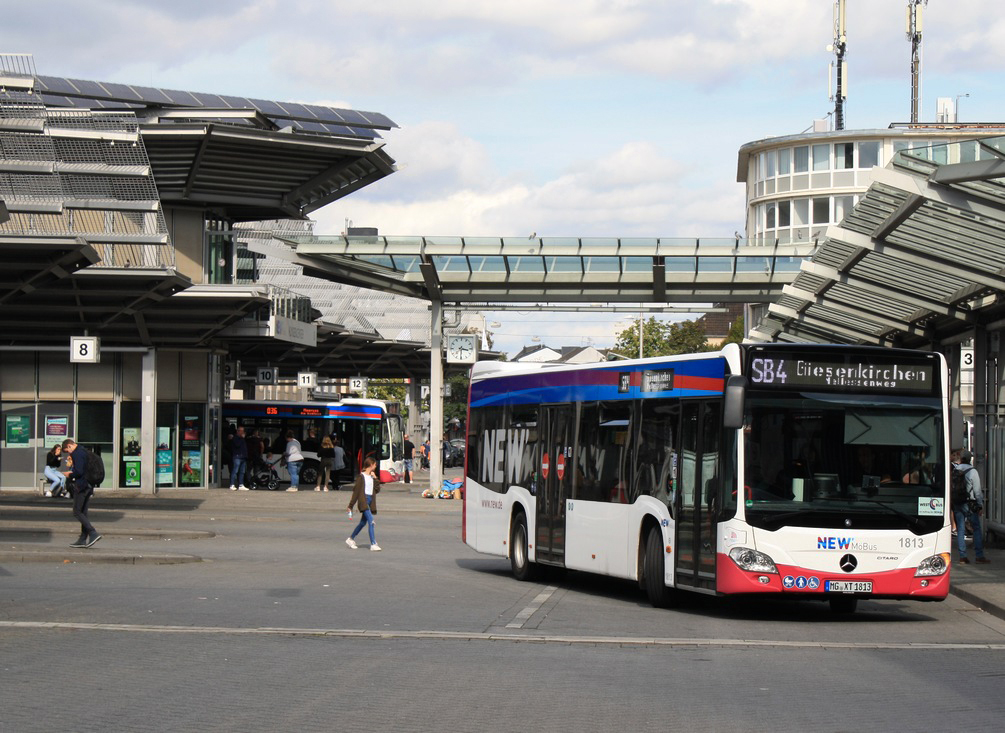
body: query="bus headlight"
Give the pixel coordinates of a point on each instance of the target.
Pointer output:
(752, 560)
(934, 565)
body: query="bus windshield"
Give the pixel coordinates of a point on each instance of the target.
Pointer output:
(829, 460)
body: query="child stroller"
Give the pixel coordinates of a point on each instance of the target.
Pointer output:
(264, 476)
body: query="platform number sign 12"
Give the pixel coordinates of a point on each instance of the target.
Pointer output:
(357, 384)
(85, 349)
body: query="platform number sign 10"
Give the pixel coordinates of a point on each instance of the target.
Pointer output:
(267, 375)
(85, 349)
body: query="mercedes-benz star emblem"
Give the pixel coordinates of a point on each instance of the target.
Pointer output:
(848, 563)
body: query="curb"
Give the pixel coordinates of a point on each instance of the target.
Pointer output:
(92, 557)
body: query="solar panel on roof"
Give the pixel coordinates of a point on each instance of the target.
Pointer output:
(56, 84)
(237, 102)
(353, 117)
(91, 88)
(208, 100)
(297, 110)
(311, 126)
(122, 91)
(343, 130)
(154, 96)
(270, 108)
(178, 96)
(364, 132)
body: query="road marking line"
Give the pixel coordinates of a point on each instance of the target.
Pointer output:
(476, 636)
(521, 618)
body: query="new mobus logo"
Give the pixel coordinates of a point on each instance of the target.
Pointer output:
(502, 454)
(842, 543)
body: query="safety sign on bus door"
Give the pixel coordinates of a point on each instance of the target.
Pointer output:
(560, 466)
(545, 465)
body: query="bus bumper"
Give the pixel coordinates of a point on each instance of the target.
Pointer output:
(792, 580)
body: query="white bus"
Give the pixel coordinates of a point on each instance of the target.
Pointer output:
(812, 471)
(364, 427)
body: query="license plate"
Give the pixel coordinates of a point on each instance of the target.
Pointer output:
(848, 586)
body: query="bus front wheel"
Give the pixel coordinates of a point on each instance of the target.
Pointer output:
(523, 568)
(654, 572)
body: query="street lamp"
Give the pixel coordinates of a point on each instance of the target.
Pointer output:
(957, 108)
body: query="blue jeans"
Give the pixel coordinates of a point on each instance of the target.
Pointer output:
(237, 477)
(366, 519)
(294, 468)
(58, 479)
(962, 516)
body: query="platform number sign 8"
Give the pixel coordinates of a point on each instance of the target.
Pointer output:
(85, 349)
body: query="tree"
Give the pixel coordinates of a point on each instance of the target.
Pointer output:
(662, 339)
(735, 335)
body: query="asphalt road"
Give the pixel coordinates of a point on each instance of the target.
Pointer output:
(282, 627)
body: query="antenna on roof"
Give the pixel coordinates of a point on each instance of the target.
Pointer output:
(840, 65)
(914, 29)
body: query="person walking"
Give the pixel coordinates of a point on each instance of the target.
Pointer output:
(294, 460)
(338, 463)
(409, 454)
(326, 455)
(239, 458)
(51, 471)
(82, 492)
(969, 510)
(364, 497)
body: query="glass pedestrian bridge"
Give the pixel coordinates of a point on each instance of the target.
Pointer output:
(555, 269)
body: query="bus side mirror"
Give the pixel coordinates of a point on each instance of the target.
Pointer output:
(957, 428)
(736, 389)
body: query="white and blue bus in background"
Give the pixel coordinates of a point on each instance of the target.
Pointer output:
(818, 472)
(364, 427)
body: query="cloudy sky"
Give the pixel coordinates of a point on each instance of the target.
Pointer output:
(560, 117)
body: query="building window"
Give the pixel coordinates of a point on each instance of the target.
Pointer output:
(784, 214)
(770, 222)
(844, 155)
(821, 157)
(868, 154)
(784, 161)
(770, 172)
(801, 212)
(801, 158)
(843, 206)
(821, 210)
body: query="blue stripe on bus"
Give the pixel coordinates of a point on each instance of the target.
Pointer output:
(595, 384)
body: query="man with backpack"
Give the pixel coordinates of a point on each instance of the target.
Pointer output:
(967, 501)
(82, 489)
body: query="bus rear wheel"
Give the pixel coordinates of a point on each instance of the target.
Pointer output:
(654, 570)
(523, 568)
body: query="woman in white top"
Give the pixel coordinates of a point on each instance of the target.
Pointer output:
(294, 460)
(364, 497)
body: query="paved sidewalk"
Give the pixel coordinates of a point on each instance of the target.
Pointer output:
(30, 524)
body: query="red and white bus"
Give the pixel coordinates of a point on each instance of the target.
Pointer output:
(818, 472)
(364, 427)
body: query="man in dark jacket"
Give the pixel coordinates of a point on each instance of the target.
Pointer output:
(82, 492)
(239, 456)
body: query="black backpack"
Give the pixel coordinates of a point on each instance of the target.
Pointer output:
(958, 493)
(94, 471)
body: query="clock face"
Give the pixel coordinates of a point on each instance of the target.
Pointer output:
(461, 348)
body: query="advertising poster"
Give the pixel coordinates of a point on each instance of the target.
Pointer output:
(56, 429)
(164, 459)
(130, 442)
(132, 472)
(191, 468)
(18, 431)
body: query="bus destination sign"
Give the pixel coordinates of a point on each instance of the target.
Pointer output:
(793, 371)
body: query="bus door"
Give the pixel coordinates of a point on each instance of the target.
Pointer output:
(556, 470)
(697, 500)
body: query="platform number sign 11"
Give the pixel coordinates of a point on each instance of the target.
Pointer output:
(85, 349)
(307, 380)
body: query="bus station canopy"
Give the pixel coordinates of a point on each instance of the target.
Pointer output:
(483, 271)
(919, 261)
